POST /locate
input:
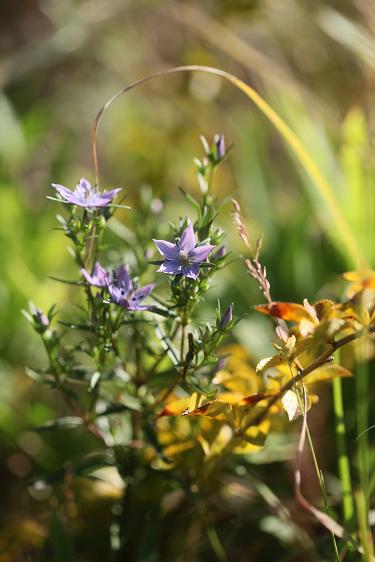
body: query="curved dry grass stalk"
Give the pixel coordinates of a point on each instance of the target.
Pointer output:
(291, 139)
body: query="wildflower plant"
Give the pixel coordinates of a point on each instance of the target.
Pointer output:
(167, 397)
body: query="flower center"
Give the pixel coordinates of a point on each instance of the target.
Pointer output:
(183, 256)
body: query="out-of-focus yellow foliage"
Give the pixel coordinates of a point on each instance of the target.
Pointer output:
(21, 539)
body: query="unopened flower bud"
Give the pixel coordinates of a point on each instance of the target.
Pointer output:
(227, 317)
(38, 315)
(219, 143)
(220, 253)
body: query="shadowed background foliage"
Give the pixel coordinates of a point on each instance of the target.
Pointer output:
(60, 61)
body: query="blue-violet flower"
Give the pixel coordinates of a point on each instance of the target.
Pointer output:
(86, 195)
(122, 291)
(183, 257)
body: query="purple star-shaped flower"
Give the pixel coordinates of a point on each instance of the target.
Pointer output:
(122, 292)
(184, 257)
(99, 277)
(86, 195)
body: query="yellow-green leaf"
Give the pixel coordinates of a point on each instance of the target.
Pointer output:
(326, 373)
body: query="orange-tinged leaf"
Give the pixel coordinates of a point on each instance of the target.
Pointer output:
(175, 408)
(215, 409)
(285, 310)
(326, 373)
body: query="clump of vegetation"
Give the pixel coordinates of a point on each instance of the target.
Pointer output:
(146, 366)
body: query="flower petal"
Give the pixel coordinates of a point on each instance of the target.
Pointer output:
(142, 292)
(200, 253)
(83, 188)
(84, 184)
(191, 270)
(167, 249)
(122, 279)
(97, 199)
(111, 194)
(66, 193)
(116, 294)
(99, 278)
(87, 276)
(138, 296)
(188, 241)
(172, 267)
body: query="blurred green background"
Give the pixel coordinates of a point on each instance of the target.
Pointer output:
(60, 61)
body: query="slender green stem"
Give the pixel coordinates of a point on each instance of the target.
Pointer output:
(362, 411)
(343, 459)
